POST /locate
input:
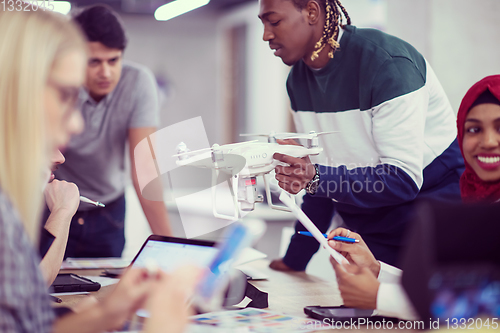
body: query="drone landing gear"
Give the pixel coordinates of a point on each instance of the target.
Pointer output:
(269, 198)
(233, 187)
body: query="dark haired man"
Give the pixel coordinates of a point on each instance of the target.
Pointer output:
(396, 139)
(119, 104)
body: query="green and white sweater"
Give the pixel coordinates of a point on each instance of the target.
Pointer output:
(396, 137)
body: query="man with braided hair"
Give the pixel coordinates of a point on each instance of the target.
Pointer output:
(396, 135)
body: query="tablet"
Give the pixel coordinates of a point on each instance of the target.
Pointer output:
(451, 264)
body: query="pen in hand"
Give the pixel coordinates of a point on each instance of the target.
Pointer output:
(337, 238)
(55, 299)
(87, 200)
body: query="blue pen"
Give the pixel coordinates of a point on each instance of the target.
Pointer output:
(345, 239)
(337, 238)
(307, 233)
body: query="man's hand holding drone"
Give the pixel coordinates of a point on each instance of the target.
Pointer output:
(299, 172)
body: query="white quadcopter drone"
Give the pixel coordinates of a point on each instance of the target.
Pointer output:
(245, 161)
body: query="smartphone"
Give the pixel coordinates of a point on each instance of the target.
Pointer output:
(341, 313)
(73, 283)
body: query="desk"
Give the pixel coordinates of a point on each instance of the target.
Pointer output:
(288, 293)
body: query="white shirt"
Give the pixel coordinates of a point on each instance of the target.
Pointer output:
(392, 300)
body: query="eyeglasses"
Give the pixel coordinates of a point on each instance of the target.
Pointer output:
(68, 95)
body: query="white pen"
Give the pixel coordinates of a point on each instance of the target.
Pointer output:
(87, 200)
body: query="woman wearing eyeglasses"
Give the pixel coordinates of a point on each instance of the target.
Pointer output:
(42, 65)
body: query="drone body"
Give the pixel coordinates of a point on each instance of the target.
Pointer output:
(259, 161)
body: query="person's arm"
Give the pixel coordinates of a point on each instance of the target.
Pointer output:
(400, 98)
(358, 286)
(392, 301)
(62, 199)
(168, 303)
(358, 283)
(367, 283)
(155, 211)
(143, 122)
(356, 253)
(360, 255)
(360, 289)
(163, 295)
(111, 313)
(389, 274)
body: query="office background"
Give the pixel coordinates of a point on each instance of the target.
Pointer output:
(212, 62)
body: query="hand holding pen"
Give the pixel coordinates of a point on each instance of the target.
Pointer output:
(357, 282)
(61, 197)
(357, 252)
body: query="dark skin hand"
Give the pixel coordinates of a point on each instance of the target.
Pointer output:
(297, 174)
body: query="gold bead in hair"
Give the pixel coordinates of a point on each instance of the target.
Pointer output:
(315, 53)
(333, 43)
(327, 30)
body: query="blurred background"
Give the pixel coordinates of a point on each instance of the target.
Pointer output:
(212, 62)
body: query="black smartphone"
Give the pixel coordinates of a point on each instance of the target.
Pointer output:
(341, 313)
(73, 283)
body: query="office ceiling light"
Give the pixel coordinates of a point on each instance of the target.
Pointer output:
(62, 7)
(176, 8)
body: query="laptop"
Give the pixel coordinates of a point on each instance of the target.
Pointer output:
(170, 253)
(451, 266)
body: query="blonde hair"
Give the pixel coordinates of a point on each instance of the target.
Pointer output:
(30, 45)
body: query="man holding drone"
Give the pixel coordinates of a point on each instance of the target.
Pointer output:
(396, 140)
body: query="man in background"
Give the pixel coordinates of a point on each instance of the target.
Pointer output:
(119, 104)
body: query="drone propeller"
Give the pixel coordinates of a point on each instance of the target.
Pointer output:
(192, 152)
(272, 136)
(213, 148)
(311, 135)
(290, 135)
(328, 132)
(231, 145)
(255, 134)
